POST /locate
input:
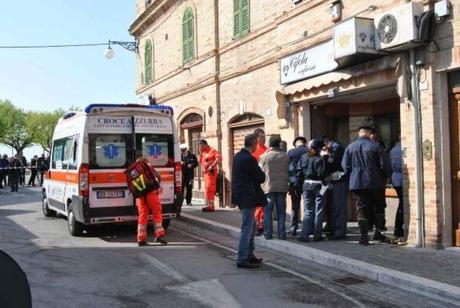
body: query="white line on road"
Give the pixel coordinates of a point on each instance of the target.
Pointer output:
(165, 269)
(311, 280)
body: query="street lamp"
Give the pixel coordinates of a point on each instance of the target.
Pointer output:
(110, 53)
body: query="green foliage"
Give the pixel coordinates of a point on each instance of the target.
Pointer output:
(21, 129)
(42, 125)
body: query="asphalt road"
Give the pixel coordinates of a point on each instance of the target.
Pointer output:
(196, 269)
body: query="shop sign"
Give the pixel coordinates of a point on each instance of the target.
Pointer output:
(308, 63)
(353, 36)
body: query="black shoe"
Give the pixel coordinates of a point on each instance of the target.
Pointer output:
(142, 243)
(208, 209)
(189, 204)
(318, 239)
(292, 232)
(255, 260)
(364, 242)
(335, 238)
(247, 265)
(303, 240)
(161, 240)
(378, 236)
(259, 232)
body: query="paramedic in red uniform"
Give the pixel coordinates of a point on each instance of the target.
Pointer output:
(209, 162)
(260, 149)
(150, 201)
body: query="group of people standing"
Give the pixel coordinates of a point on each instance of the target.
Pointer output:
(320, 171)
(13, 171)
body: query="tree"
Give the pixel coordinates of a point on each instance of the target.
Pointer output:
(42, 125)
(14, 129)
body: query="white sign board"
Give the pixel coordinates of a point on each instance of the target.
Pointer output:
(123, 125)
(308, 63)
(355, 35)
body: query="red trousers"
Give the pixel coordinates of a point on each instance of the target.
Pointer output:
(210, 185)
(259, 215)
(151, 201)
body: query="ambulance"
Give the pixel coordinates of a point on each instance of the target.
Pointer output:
(90, 151)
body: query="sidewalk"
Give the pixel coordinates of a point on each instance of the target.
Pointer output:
(434, 273)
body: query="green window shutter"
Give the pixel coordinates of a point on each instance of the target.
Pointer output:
(187, 36)
(148, 58)
(245, 15)
(236, 18)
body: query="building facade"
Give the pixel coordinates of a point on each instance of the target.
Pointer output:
(303, 68)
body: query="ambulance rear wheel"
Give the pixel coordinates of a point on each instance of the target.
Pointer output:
(75, 228)
(45, 209)
(166, 223)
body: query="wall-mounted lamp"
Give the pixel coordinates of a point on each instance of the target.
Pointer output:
(332, 92)
(336, 10)
(109, 53)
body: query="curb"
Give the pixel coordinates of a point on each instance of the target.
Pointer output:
(434, 289)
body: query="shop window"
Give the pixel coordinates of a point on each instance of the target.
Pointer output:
(187, 32)
(148, 58)
(241, 18)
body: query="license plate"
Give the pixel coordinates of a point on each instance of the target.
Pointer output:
(110, 194)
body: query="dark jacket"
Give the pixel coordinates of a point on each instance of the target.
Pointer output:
(294, 158)
(365, 162)
(189, 158)
(246, 180)
(396, 165)
(314, 168)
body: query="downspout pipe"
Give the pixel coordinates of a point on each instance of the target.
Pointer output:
(419, 198)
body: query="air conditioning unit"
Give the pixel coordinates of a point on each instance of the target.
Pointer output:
(397, 29)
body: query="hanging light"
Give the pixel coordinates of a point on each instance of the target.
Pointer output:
(109, 53)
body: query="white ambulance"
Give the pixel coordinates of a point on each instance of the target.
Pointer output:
(90, 151)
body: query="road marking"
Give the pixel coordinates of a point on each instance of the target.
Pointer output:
(208, 292)
(311, 280)
(165, 269)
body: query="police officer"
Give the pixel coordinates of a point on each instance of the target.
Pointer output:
(365, 163)
(295, 154)
(189, 163)
(33, 170)
(337, 196)
(15, 173)
(312, 170)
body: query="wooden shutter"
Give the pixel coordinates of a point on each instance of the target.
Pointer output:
(187, 28)
(236, 18)
(245, 15)
(148, 62)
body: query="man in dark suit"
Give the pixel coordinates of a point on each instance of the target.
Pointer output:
(189, 163)
(364, 161)
(247, 194)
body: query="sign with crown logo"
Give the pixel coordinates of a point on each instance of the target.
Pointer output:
(354, 36)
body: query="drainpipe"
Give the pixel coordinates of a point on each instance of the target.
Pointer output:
(217, 81)
(419, 198)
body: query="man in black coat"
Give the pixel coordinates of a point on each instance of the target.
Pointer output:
(247, 194)
(189, 163)
(364, 161)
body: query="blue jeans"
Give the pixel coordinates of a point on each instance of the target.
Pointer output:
(313, 213)
(339, 208)
(296, 196)
(277, 199)
(248, 228)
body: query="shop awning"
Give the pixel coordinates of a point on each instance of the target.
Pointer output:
(388, 62)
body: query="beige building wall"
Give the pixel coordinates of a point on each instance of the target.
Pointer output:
(242, 76)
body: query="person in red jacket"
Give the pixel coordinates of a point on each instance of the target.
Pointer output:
(149, 201)
(209, 162)
(260, 149)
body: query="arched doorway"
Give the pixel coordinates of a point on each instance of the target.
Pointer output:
(241, 126)
(191, 127)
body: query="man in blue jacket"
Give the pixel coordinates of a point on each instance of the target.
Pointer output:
(247, 194)
(364, 161)
(397, 182)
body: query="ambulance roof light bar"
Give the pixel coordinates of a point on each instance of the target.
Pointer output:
(154, 107)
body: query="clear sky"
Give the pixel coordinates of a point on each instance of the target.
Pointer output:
(47, 79)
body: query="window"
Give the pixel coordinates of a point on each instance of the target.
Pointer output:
(148, 62)
(187, 32)
(158, 149)
(147, 3)
(65, 153)
(110, 151)
(241, 14)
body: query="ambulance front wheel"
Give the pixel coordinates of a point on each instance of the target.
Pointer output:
(75, 228)
(166, 223)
